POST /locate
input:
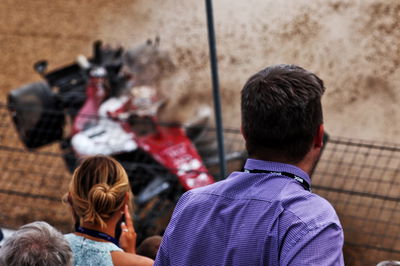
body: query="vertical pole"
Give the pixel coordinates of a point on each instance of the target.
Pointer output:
(215, 85)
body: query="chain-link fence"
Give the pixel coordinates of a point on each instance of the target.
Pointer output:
(360, 179)
(31, 182)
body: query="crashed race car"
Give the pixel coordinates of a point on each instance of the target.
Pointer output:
(111, 104)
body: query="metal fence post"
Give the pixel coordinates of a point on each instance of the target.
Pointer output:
(215, 84)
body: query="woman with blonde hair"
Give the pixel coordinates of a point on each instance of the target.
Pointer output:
(99, 196)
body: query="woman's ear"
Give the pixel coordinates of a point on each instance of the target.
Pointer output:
(67, 199)
(126, 200)
(127, 197)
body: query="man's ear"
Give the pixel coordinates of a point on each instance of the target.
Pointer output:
(319, 137)
(242, 131)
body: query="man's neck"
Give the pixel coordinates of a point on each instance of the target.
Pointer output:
(306, 164)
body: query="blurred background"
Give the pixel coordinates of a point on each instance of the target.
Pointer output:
(352, 45)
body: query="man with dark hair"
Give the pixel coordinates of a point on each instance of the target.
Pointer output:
(267, 214)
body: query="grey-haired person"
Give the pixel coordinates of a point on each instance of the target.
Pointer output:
(38, 244)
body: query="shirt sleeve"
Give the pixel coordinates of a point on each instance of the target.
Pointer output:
(163, 254)
(320, 246)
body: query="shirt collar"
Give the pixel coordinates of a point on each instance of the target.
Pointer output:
(252, 164)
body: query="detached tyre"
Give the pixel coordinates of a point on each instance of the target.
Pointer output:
(37, 114)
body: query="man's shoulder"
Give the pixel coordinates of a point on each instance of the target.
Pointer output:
(199, 194)
(214, 188)
(311, 209)
(227, 191)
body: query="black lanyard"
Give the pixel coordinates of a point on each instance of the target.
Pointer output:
(302, 182)
(97, 234)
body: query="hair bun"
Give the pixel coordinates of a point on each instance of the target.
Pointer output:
(102, 200)
(99, 188)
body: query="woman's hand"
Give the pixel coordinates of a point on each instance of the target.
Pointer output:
(127, 240)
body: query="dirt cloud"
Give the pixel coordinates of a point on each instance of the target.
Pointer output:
(352, 45)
